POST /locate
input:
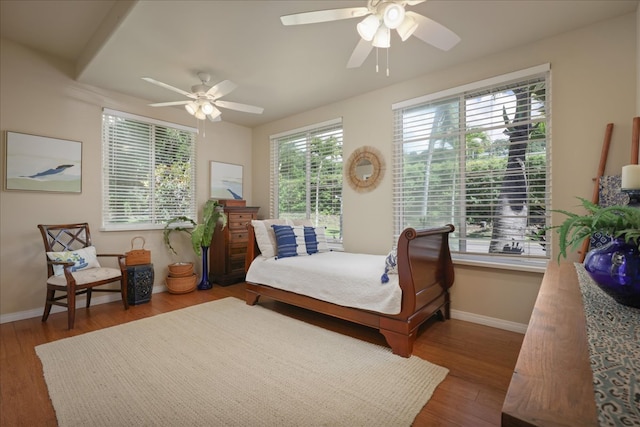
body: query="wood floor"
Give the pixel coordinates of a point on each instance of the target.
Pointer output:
(480, 359)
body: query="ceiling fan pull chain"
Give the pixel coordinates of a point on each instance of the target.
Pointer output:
(376, 60)
(387, 62)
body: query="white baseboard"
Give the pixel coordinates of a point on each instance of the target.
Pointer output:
(80, 302)
(489, 321)
(455, 314)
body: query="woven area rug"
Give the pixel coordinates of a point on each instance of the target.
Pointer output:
(224, 363)
(613, 332)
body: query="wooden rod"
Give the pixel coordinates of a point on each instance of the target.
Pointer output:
(606, 143)
(635, 141)
(595, 198)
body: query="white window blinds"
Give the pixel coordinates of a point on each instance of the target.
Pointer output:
(478, 158)
(306, 176)
(148, 171)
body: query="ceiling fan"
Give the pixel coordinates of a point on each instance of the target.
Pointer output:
(203, 99)
(381, 16)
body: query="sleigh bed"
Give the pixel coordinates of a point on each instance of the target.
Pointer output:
(419, 291)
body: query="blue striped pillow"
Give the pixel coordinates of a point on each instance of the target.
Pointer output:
(285, 240)
(310, 240)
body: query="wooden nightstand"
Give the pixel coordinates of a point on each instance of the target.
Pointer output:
(229, 246)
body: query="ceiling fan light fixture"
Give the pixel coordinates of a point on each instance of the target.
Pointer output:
(191, 108)
(393, 15)
(200, 115)
(382, 38)
(207, 108)
(407, 28)
(368, 26)
(214, 114)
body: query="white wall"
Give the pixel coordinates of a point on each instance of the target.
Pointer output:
(593, 83)
(39, 97)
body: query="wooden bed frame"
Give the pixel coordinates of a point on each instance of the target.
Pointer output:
(425, 272)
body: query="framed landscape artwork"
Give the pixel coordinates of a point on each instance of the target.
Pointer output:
(40, 163)
(225, 181)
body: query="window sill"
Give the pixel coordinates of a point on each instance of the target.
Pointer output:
(531, 266)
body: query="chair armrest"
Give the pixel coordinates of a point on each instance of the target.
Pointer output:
(121, 260)
(62, 263)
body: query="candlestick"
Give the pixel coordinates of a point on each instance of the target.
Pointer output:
(634, 197)
(631, 177)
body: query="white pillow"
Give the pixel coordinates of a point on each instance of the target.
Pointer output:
(301, 249)
(83, 258)
(322, 239)
(306, 222)
(265, 236)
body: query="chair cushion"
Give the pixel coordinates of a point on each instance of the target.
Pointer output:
(87, 275)
(83, 258)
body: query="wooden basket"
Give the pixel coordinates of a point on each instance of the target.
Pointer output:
(181, 285)
(181, 269)
(138, 256)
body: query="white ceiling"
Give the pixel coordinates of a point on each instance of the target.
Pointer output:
(283, 69)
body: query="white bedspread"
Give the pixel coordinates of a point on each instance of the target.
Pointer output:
(347, 279)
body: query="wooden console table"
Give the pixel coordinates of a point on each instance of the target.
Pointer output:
(552, 384)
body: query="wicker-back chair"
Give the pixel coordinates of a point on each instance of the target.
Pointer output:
(73, 268)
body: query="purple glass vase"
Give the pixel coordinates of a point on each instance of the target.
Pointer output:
(615, 267)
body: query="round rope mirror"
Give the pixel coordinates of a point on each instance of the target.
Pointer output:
(365, 169)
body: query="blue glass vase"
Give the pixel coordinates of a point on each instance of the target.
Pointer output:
(615, 267)
(204, 281)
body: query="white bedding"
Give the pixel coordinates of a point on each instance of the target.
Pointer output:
(347, 279)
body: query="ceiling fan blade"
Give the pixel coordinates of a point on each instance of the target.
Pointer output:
(429, 31)
(168, 104)
(323, 15)
(221, 89)
(413, 2)
(360, 53)
(239, 107)
(166, 86)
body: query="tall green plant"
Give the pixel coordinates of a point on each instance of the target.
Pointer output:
(201, 234)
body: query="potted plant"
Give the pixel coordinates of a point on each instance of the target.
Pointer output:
(201, 234)
(617, 221)
(615, 266)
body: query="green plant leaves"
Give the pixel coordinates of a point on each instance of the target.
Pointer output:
(616, 221)
(201, 234)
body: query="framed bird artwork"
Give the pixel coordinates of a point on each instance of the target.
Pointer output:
(40, 163)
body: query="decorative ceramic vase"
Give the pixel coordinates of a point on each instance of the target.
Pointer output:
(615, 267)
(204, 281)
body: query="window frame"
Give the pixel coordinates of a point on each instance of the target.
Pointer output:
(157, 221)
(274, 190)
(521, 263)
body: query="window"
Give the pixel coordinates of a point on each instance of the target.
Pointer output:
(148, 171)
(306, 176)
(478, 157)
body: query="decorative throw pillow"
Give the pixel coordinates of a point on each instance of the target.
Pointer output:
(322, 239)
(285, 241)
(82, 258)
(310, 240)
(265, 237)
(301, 249)
(390, 266)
